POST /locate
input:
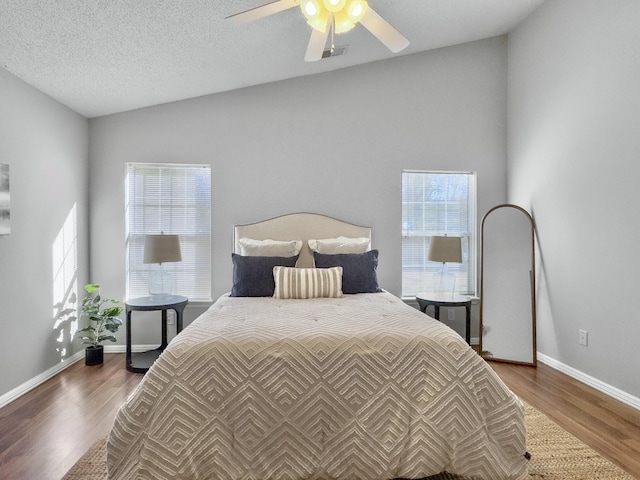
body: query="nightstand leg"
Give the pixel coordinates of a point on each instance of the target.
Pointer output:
(179, 312)
(467, 328)
(128, 354)
(164, 330)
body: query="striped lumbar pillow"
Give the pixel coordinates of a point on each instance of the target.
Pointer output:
(307, 282)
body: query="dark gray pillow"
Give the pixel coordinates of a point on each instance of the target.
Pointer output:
(358, 270)
(253, 276)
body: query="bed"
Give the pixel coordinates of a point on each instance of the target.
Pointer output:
(328, 386)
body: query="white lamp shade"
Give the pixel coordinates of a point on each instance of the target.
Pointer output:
(162, 249)
(445, 249)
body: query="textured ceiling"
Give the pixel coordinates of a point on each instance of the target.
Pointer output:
(106, 56)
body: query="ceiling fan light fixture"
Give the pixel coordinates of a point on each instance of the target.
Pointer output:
(310, 8)
(317, 16)
(346, 13)
(343, 22)
(356, 9)
(334, 6)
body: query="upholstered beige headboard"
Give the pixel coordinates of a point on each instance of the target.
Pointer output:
(299, 226)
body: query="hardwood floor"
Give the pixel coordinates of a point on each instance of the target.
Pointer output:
(610, 427)
(43, 433)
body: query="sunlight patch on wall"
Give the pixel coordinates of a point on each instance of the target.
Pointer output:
(65, 283)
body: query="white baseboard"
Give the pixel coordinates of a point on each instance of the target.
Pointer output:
(20, 390)
(134, 348)
(605, 388)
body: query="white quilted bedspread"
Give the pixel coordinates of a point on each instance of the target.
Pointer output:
(360, 387)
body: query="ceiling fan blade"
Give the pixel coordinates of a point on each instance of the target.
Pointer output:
(317, 42)
(262, 11)
(388, 35)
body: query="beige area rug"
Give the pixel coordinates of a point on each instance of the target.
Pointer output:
(555, 455)
(558, 455)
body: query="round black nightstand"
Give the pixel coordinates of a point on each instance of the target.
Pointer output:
(140, 362)
(425, 299)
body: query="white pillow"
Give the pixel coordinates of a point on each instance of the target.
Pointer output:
(338, 245)
(307, 282)
(269, 248)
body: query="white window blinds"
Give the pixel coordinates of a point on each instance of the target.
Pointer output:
(170, 199)
(435, 204)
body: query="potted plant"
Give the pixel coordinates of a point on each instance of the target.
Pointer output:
(103, 321)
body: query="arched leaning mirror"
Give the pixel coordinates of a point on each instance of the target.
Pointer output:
(507, 286)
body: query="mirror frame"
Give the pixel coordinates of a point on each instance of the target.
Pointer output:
(534, 362)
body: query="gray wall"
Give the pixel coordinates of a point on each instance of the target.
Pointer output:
(46, 146)
(574, 123)
(333, 143)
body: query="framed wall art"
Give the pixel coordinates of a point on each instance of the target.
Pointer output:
(5, 200)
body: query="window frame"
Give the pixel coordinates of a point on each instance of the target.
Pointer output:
(192, 247)
(470, 252)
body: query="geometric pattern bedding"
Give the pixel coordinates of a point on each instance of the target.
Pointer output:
(358, 387)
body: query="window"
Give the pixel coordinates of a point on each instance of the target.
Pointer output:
(172, 199)
(435, 204)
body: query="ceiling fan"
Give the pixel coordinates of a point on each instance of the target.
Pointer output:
(330, 16)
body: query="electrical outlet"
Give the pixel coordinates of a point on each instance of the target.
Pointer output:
(451, 314)
(171, 317)
(583, 337)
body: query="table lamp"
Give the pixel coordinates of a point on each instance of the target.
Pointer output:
(161, 249)
(445, 249)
